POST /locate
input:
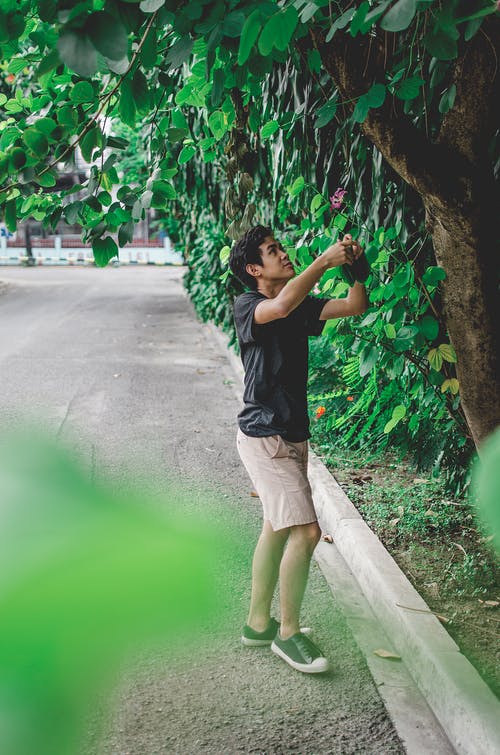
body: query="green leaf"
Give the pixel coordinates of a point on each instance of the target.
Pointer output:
(48, 63)
(151, 6)
(67, 116)
(374, 98)
(441, 44)
(369, 319)
(140, 91)
(390, 330)
(233, 24)
(368, 360)
(217, 124)
(104, 250)
(278, 30)
(269, 129)
(108, 35)
(149, 50)
(126, 233)
(376, 95)
(117, 142)
(186, 154)
(340, 221)
(17, 158)
(11, 215)
(400, 16)
(218, 84)
(447, 352)
(358, 21)
(409, 89)
(429, 327)
(249, 36)
(451, 385)
(46, 179)
(298, 185)
(127, 104)
(397, 415)
(433, 275)
(71, 212)
(341, 22)
(37, 142)
(448, 99)
(176, 134)
(77, 52)
(435, 359)
(83, 91)
(89, 142)
(314, 62)
(224, 254)
(325, 113)
(180, 52)
(316, 202)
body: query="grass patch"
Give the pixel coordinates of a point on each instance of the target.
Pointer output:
(439, 543)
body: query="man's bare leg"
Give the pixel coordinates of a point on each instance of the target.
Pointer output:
(265, 572)
(293, 574)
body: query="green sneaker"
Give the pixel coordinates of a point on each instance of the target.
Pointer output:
(251, 638)
(300, 653)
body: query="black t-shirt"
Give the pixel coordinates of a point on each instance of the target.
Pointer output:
(275, 358)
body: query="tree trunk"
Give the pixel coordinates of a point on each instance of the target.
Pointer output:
(470, 301)
(454, 177)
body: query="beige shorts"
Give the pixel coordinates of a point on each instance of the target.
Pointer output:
(278, 470)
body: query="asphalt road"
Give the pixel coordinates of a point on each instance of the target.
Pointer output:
(116, 365)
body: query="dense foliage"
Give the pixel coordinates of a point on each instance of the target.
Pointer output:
(215, 115)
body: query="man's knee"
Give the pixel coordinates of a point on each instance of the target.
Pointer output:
(308, 535)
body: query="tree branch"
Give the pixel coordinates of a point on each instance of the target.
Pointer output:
(436, 170)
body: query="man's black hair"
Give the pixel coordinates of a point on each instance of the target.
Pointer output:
(246, 252)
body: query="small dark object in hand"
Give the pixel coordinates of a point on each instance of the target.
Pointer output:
(360, 268)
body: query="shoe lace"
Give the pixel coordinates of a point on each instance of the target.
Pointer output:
(305, 646)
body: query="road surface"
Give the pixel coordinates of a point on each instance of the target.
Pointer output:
(115, 364)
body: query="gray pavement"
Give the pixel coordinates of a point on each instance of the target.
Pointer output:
(114, 363)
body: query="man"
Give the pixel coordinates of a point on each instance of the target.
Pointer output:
(273, 321)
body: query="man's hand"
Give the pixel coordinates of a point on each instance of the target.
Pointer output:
(342, 252)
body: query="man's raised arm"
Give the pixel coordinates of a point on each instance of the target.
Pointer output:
(297, 289)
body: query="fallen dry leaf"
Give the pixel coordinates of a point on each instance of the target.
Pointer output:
(386, 654)
(419, 480)
(492, 603)
(393, 522)
(401, 510)
(327, 538)
(254, 494)
(430, 512)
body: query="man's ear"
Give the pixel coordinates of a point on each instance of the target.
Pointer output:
(253, 270)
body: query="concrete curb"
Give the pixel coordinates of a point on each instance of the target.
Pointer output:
(463, 704)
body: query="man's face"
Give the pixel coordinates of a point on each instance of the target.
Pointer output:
(276, 265)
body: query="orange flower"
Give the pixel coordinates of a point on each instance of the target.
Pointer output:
(350, 398)
(320, 411)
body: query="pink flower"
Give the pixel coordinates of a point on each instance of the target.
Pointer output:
(337, 198)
